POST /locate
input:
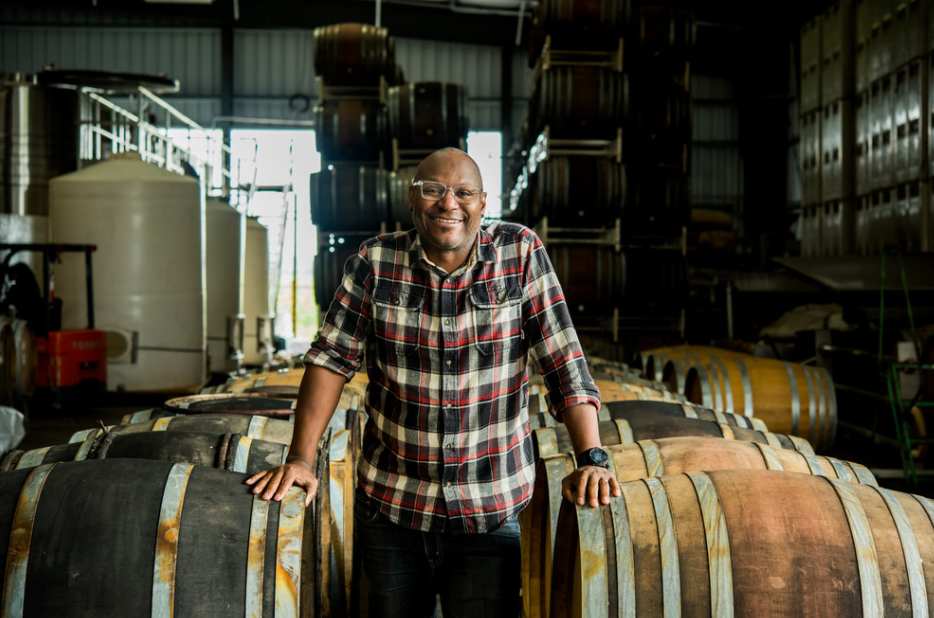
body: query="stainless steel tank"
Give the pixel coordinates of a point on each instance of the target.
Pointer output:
(38, 141)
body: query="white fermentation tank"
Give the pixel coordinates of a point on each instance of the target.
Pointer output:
(224, 259)
(149, 295)
(258, 326)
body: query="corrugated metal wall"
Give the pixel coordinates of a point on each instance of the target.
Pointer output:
(269, 65)
(716, 161)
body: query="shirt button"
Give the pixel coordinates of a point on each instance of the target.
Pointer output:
(448, 362)
(447, 483)
(448, 446)
(447, 322)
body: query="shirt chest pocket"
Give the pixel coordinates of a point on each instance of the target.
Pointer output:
(397, 319)
(496, 316)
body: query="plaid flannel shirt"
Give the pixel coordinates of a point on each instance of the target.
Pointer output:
(447, 445)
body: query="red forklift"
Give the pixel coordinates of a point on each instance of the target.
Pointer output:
(72, 368)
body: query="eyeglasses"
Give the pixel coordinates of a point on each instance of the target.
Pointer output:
(434, 191)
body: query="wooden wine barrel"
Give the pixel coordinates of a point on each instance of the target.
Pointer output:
(663, 39)
(644, 459)
(399, 209)
(585, 24)
(428, 115)
(615, 367)
(580, 102)
(555, 440)
(657, 201)
(285, 385)
(637, 409)
(580, 191)
(791, 398)
(329, 269)
(224, 403)
(349, 198)
(234, 452)
(19, 370)
(639, 282)
(255, 427)
(351, 129)
(621, 390)
(129, 537)
(353, 54)
(655, 362)
(745, 543)
(592, 278)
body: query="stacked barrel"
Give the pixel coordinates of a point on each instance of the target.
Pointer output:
(165, 514)
(864, 129)
(372, 130)
(605, 182)
(355, 64)
(703, 491)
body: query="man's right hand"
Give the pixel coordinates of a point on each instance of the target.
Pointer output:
(275, 482)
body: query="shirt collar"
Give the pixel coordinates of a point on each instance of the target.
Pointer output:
(483, 250)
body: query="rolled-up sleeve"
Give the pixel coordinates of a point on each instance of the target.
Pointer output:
(341, 340)
(552, 340)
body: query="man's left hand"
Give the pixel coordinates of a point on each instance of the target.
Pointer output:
(590, 485)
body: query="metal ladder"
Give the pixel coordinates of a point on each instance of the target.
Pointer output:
(889, 373)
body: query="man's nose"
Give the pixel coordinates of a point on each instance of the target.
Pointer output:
(447, 201)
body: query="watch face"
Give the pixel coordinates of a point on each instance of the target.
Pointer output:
(598, 456)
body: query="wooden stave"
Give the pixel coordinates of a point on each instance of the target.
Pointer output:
(817, 512)
(349, 198)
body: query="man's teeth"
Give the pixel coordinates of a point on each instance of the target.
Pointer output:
(446, 220)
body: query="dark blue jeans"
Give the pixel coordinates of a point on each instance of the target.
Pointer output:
(476, 575)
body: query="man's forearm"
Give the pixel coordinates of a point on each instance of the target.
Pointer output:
(581, 421)
(318, 397)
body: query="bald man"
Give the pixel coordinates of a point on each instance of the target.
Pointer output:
(446, 316)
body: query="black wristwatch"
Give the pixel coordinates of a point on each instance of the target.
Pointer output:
(594, 457)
